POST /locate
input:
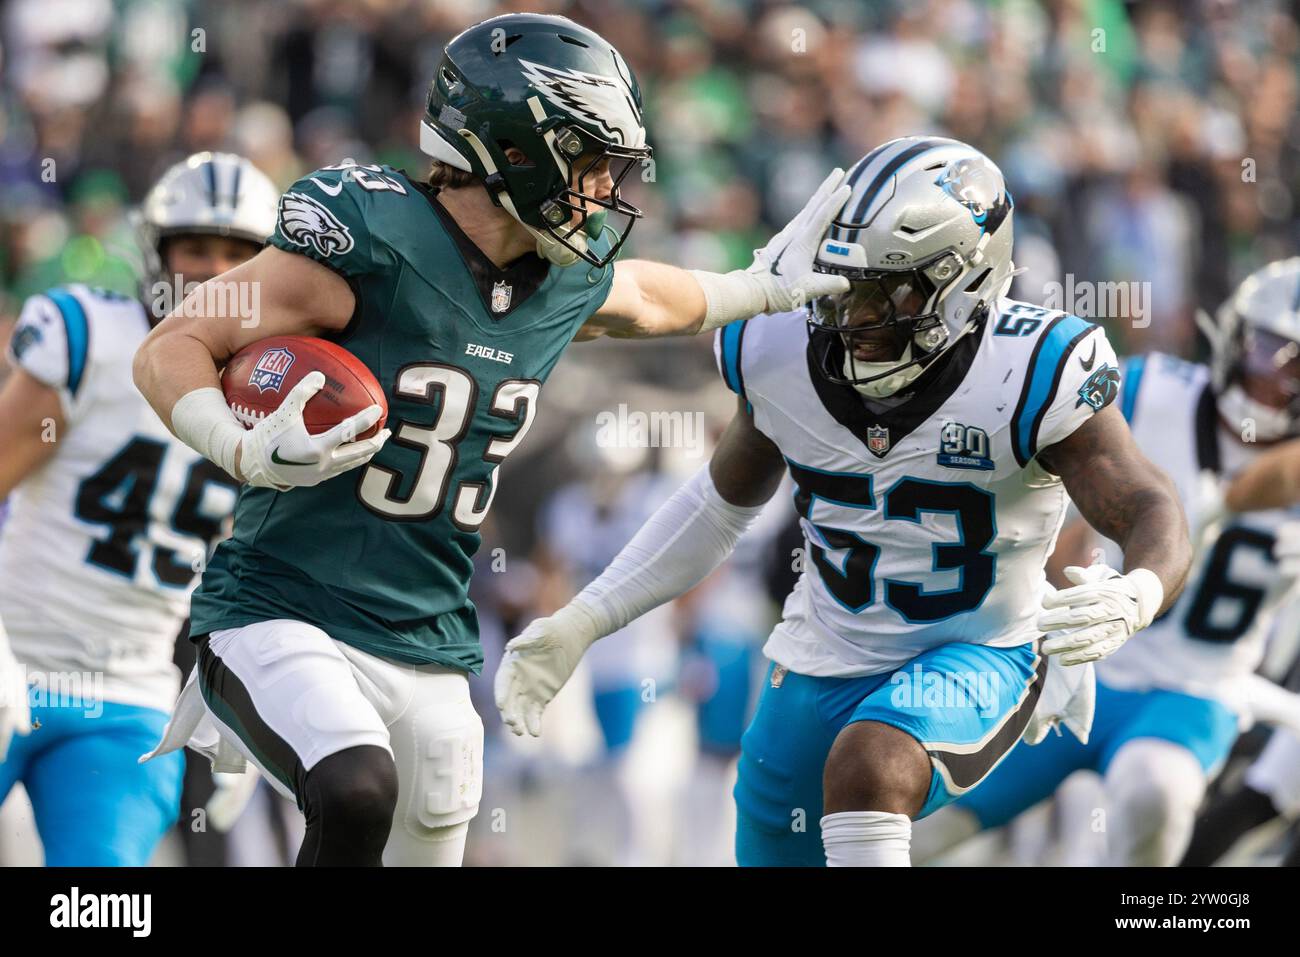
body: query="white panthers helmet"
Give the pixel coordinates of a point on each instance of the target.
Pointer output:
(217, 194)
(1256, 336)
(925, 239)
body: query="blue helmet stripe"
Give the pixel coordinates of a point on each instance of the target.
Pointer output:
(851, 180)
(234, 187)
(210, 169)
(77, 333)
(887, 173)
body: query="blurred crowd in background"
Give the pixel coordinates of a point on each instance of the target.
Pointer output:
(1145, 142)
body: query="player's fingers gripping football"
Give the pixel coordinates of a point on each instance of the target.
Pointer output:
(280, 453)
(343, 446)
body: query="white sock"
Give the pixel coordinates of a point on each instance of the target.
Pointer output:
(866, 839)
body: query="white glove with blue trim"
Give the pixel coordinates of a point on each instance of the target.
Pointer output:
(781, 277)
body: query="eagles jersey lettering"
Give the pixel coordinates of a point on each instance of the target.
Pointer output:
(930, 522)
(380, 557)
(103, 543)
(1213, 636)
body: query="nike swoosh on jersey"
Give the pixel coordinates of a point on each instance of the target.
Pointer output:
(327, 189)
(1087, 364)
(275, 457)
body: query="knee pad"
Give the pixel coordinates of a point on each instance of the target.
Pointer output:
(438, 743)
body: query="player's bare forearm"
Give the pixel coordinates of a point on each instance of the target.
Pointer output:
(31, 424)
(184, 352)
(1271, 481)
(647, 300)
(1073, 547)
(746, 467)
(1124, 496)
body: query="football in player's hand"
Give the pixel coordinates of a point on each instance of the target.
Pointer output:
(259, 376)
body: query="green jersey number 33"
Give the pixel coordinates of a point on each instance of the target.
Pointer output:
(425, 382)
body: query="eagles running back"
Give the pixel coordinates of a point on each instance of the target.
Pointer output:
(929, 522)
(381, 557)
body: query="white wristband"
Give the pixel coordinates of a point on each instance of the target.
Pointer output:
(730, 296)
(202, 420)
(1150, 592)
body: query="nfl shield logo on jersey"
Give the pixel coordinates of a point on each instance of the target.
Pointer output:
(501, 297)
(270, 369)
(877, 439)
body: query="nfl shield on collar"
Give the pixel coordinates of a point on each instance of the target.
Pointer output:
(501, 293)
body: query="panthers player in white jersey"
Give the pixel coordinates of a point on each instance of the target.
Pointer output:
(109, 524)
(1270, 787)
(1169, 706)
(933, 429)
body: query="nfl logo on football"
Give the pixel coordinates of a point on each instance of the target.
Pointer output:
(270, 370)
(878, 439)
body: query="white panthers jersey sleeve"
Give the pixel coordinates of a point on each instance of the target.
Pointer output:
(929, 521)
(51, 343)
(103, 542)
(1073, 373)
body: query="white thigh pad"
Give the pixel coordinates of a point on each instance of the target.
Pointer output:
(303, 689)
(437, 741)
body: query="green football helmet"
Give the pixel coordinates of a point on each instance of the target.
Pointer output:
(562, 96)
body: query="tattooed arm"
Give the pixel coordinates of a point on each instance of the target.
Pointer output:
(1123, 495)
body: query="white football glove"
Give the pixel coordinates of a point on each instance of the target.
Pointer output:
(15, 715)
(781, 277)
(1104, 609)
(537, 664)
(785, 265)
(279, 452)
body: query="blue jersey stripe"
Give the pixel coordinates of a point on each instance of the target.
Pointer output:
(1130, 381)
(1046, 366)
(731, 374)
(723, 366)
(78, 334)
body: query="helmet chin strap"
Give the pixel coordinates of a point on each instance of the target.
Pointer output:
(882, 388)
(890, 385)
(548, 247)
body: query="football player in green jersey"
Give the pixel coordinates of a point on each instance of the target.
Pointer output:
(334, 627)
